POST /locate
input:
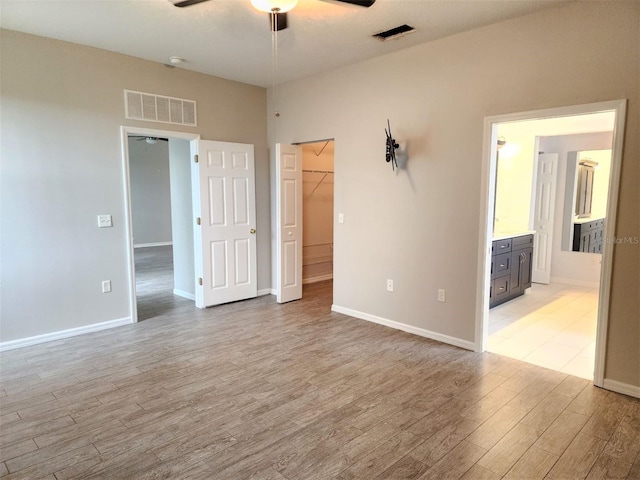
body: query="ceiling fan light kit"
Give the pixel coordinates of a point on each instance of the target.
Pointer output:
(275, 6)
(277, 10)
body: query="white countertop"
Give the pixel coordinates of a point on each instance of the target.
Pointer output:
(518, 233)
(587, 220)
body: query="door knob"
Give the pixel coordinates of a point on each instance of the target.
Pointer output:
(252, 231)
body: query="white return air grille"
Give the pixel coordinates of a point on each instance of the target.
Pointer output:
(157, 108)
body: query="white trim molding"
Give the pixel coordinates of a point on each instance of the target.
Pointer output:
(265, 291)
(72, 332)
(183, 294)
(620, 387)
(155, 244)
(456, 342)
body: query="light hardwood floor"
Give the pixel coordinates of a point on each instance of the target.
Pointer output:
(154, 282)
(258, 390)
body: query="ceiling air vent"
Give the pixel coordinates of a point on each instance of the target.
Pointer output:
(394, 32)
(158, 108)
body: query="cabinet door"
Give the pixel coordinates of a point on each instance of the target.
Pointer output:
(491, 299)
(515, 288)
(526, 268)
(584, 241)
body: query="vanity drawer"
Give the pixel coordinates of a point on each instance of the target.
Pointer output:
(522, 242)
(500, 289)
(501, 246)
(500, 265)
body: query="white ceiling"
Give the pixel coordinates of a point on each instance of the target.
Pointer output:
(229, 39)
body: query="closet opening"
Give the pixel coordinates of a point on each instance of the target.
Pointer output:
(317, 211)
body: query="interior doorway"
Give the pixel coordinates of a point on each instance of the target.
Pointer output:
(578, 287)
(317, 211)
(160, 186)
(554, 323)
(158, 199)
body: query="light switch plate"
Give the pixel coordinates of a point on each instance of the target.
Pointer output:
(341, 218)
(105, 221)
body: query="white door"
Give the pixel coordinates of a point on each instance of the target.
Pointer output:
(289, 222)
(225, 239)
(545, 202)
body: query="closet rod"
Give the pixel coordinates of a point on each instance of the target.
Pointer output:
(317, 171)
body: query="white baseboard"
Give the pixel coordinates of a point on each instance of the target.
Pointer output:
(265, 291)
(156, 244)
(577, 283)
(72, 332)
(183, 294)
(320, 278)
(620, 387)
(457, 342)
(274, 291)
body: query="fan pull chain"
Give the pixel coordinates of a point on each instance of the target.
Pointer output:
(274, 62)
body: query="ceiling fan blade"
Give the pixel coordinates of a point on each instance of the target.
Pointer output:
(361, 3)
(142, 138)
(186, 3)
(278, 21)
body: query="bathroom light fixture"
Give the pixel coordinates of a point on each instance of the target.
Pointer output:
(151, 140)
(275, 6)
(509, 150)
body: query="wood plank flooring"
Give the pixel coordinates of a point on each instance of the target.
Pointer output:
(258, 390)
(154, 282)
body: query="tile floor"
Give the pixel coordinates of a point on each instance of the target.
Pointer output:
(553, 326)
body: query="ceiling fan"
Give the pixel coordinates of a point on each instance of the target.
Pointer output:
(149, 140)
(277, 9)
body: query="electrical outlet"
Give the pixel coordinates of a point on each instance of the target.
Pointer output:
(442, 295)
(105, 221)
(106, 286)
(389, 285)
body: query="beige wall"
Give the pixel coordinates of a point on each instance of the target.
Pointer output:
(62, 108)
(150, 192)
(420, 226)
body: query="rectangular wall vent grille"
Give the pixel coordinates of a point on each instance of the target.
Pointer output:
(158, 108)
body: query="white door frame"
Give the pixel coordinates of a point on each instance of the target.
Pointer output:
(125, 131)
(486, 218)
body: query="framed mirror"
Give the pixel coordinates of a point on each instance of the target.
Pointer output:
(585, 200)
